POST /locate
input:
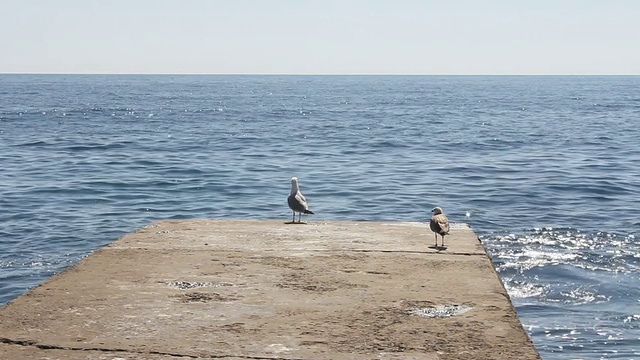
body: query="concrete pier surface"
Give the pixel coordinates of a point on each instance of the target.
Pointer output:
(263, 289)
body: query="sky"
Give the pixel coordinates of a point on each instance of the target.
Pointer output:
(320, 37)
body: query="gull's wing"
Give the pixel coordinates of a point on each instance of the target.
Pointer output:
(442, 222)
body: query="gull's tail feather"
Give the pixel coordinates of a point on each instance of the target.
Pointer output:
(308, 211)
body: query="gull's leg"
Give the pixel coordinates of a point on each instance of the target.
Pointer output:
(436, 236)
(299, 218)
(294, 217)
(442, 240)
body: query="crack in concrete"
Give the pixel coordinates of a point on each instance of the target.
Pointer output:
(440, 252)
(162, 353)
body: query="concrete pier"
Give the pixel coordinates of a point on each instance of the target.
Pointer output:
(262, 289)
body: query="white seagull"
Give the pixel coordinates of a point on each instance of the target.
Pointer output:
(297, 201)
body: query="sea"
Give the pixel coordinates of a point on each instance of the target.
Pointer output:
(546, 169)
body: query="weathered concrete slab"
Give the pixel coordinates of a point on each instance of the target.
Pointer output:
(239, 289)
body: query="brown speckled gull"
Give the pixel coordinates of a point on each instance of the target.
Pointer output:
(439, 224)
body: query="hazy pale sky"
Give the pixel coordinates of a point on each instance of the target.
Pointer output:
(320, 36)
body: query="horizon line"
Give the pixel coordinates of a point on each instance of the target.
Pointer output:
(317, 74)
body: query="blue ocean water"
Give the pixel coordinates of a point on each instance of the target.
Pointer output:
(546, 169)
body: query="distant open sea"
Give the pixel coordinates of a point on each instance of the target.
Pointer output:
(546, 169)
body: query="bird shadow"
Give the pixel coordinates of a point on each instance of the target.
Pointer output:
(438, 247)
(295, 223)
